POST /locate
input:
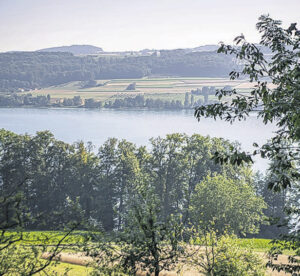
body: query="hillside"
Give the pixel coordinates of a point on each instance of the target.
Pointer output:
(206, 48)
(75, 49)
(21, 71)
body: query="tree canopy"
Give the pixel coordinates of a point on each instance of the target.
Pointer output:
(279, 103)
(274, 98)
(55, 174)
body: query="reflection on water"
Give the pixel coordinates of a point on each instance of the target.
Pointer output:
(137, 126)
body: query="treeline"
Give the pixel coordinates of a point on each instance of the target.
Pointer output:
(139, 101)
(29, 70)
(15, 100)
(53, 177)
(23, 100)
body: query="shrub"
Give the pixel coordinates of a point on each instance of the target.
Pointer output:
(222, 255)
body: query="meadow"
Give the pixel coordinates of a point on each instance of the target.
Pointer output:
(72, 263)
(51, 237)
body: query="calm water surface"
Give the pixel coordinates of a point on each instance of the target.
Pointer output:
(137, 126)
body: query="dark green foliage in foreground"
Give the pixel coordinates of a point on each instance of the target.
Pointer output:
(102, 184)
(279, 105)
(151, 243)
(138, 204)
(16, 258)
(146, 242)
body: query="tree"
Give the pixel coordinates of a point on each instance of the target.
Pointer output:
(85, 178)
(205, 93)
(127, 176)
(77, 101)
(275, 212)
(107, 189)
(279, 103)
(131, 86)
(15, 214)
(276, 99)
(167, 165)
(91, 103)
(186, 100)
(192, 100)
(220, 204)
(145, 243)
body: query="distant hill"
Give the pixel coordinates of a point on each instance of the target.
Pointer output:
(202, 48)
(75, 49)
(206, 48)
(33, 70)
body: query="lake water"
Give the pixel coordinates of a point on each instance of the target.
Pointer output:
(137, 126)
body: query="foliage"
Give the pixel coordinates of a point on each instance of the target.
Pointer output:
(139, 101)
(16, 258)
(61, 176)
(205, 91)
(222, 255)
(140, 199)
(146, 242)
(289, 243)
(275, 214)
(228, 204)
(279, 104)
(14, 100)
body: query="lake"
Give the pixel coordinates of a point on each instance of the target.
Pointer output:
(137, 126)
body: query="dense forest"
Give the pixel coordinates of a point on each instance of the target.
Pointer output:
(54, 176)
(29, 70)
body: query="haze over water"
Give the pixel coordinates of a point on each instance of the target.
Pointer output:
(137, 126)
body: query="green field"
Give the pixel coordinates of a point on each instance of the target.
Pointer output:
(50, 237)
(261, 246)
(156, 88)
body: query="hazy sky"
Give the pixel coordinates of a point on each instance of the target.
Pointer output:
(134, 24)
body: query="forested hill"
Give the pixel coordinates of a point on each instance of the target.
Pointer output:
(29, 70)
(75, 49)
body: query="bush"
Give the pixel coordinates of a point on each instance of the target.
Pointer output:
(222, 255)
